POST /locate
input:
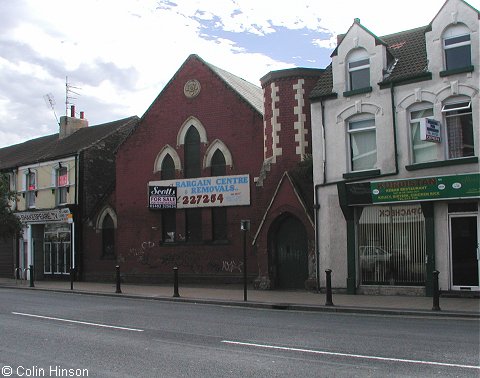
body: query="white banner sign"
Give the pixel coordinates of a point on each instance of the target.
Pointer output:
(54, 215)
(215, 191)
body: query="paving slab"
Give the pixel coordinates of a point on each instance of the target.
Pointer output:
(292, 300)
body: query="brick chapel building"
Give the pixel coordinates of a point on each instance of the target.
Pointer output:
(211, 151)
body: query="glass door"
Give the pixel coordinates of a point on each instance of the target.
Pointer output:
(464, 252)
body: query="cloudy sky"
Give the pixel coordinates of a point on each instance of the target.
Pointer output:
(119, 54)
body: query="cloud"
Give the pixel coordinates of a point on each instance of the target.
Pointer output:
(122, 53)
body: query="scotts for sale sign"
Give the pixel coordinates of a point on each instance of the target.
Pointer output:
(162, 197)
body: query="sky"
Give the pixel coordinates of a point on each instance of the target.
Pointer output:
(117, 55)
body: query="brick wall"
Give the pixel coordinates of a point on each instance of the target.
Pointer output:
(225, 116)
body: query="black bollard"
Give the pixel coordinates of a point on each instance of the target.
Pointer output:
(328, 301)
(436, 292)
(72, 272)
(119, 290)
(175, 283)
(31, 276)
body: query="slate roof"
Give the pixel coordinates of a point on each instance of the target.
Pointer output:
(248, 91)
(50, 147)
(408, 50)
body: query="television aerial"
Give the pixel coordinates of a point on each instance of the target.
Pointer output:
(50, 102)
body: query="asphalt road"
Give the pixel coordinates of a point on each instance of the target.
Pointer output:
(47, 334)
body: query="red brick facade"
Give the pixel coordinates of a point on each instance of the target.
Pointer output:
(227, 115)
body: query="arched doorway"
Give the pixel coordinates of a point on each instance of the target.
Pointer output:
(290, 254)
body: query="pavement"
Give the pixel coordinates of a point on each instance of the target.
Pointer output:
(300, 300)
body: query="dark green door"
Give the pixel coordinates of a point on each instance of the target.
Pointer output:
(291, 252)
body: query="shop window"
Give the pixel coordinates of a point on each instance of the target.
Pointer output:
(459, 129)
(31, 188)
(363, 144)
(391, 245)
(219, 214)
(57, 248)
(457, 47)
(192, 153)
(358, 70)
(61, 183)
(422, 151)
(108, 237)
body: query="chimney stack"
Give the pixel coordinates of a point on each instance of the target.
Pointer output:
(68, 125)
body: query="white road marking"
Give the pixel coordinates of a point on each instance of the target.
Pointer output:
(78, 322)
(350, 355)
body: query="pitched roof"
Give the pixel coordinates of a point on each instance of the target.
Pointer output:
(50, 147)
(378, 40)
(409, 52)
(306, 205)
(251, 93)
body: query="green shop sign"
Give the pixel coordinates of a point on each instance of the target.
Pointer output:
(426, 188)
(414, 189)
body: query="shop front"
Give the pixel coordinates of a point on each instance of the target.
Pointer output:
(400, 231)
(47, 243)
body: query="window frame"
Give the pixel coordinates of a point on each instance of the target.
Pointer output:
(351, 132)
(218, 167)
(30, 194)
(108, 237)
(413, 121)
(168, 216)
(354, 65)
(454, 32)
(457, 108)
(61, 190)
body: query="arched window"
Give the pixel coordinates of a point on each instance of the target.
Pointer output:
(108, 237)
(218, 165)
(169, 223)
(168, 168)
(457, 47)
(358, 65)
(193, 217)
(192, 153)
(219, 214)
